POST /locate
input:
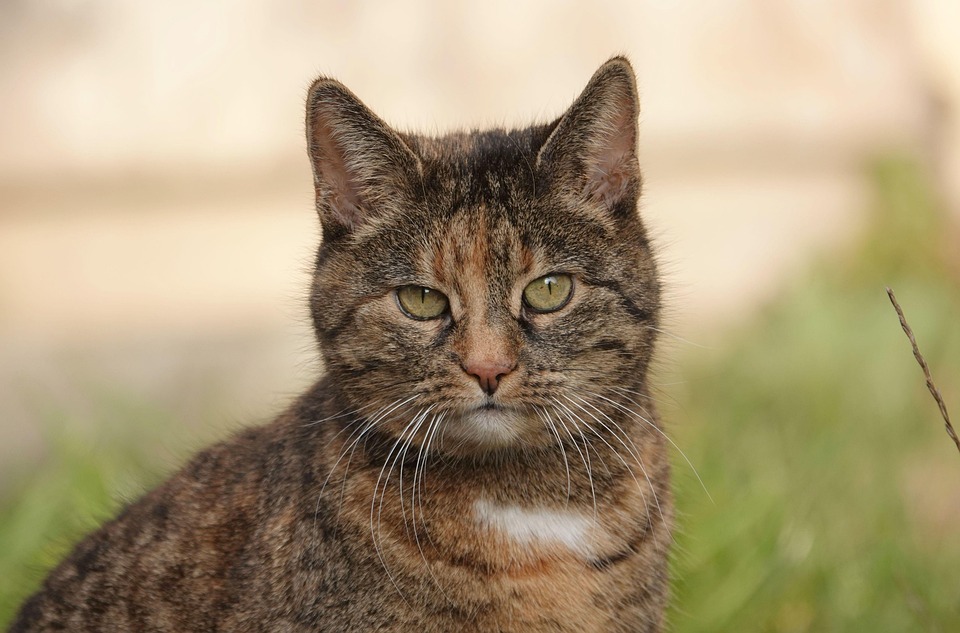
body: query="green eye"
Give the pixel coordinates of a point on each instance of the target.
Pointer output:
(548, 293)
(421, 303)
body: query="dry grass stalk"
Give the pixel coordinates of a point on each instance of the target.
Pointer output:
(926, 370)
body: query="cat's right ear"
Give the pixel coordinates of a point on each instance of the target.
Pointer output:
(592, 151)
(360, 165)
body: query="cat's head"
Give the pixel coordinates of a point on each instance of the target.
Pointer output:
(490, 289)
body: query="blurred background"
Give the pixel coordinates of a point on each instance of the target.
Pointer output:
(157, 229)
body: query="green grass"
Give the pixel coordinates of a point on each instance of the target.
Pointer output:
(836, 493)
(82, 481)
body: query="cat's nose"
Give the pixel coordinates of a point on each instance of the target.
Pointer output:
(488, 373)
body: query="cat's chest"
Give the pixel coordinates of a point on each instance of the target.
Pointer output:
(544, 564)
(504, 562)
(518, 533)
(532, 567)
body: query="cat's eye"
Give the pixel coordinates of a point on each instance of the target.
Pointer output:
(421, 303)
(548, 293)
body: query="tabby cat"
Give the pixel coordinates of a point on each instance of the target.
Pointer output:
(481, 453)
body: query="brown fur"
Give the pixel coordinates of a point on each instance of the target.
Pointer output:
(396, 494)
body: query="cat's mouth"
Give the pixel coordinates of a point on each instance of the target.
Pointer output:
(487, 425)
(492, 410)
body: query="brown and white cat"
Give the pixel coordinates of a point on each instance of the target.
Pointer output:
(482, 452)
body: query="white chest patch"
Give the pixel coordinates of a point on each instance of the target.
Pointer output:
(530, 526)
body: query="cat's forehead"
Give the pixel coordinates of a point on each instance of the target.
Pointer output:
(478, 238)
(481, 166)
(476, 257)
(479, 206)
(486, 149)
(489, 229)
(499, 245)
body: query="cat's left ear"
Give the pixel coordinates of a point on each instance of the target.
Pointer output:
(361, 167)
(593, 148)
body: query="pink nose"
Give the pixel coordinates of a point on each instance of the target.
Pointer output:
(488, 373)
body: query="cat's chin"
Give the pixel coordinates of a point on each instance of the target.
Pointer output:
(488, 428)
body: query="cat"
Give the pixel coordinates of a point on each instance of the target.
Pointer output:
(481, 453)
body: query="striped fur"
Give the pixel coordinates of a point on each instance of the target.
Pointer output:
(397, 494)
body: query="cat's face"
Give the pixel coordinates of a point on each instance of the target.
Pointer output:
(483, 291)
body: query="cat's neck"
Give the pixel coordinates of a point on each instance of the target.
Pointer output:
(506, 508)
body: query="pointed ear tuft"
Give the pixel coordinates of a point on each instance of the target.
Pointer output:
(359, 163)
(593, 148)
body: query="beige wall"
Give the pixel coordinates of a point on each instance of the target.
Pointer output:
(153, 185)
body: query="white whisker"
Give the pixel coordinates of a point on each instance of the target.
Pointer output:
(660, 431)
(584, 454)
(431, 431)
(373, 503)
(633, 453)
(676, 337)
(643, 497)
(563, 451)
(380, 414)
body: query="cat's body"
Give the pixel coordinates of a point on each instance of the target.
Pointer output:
(482, 453)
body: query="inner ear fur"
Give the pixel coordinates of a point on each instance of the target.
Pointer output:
(593, 148)
(358, 161)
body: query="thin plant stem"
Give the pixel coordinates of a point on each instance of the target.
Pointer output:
(926, 369)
